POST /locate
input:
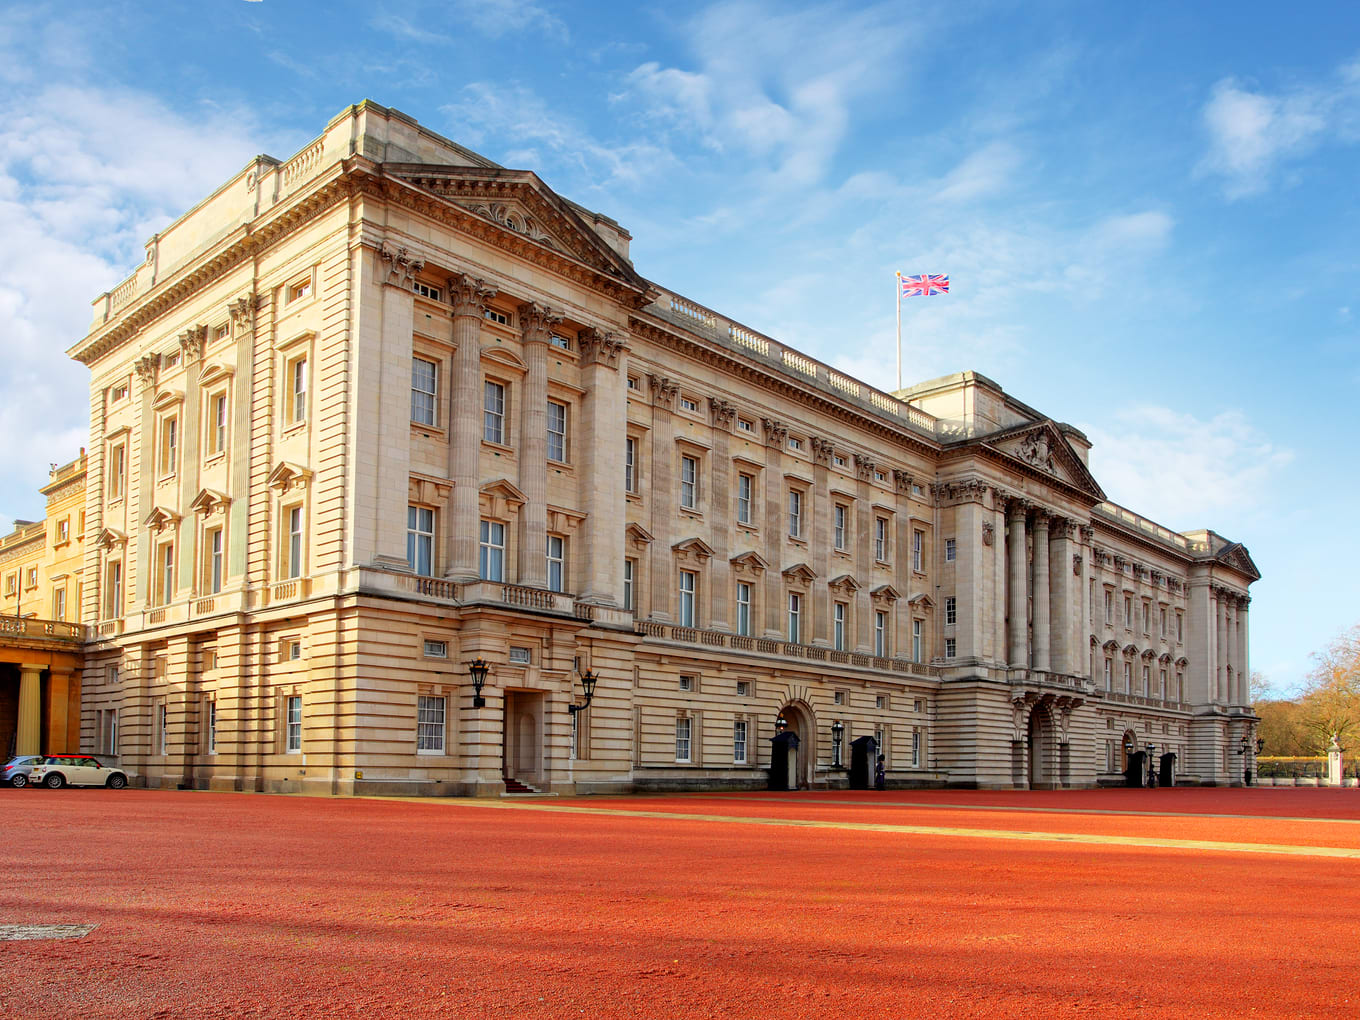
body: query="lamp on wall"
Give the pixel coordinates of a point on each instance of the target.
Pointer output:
(837, 736)
(588, 681)
(780, 724)
(478, 669)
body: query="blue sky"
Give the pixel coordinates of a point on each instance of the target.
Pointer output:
(1148, 211)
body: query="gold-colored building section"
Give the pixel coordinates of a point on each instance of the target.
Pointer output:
(41, 636)
(367, 415)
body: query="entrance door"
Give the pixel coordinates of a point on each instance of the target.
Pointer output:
(1040, 745)
(521, 752)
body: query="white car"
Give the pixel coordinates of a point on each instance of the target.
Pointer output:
(58, 770)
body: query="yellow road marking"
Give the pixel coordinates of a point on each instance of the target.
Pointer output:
(1091, 839)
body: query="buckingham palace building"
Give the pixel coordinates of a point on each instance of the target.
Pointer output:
(403, 479)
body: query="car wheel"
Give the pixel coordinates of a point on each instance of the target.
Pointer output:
(19, 781)
(117, 782)
(54, 781)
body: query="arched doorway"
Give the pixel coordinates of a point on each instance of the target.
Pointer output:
(1042, 747)
(800, 721)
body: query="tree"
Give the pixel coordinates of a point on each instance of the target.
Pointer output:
(1282, 729)
(1330, 705)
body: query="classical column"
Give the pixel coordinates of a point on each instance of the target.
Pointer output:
(663, 497)
(864, 555)
(599, 445)
(1221, 615)
(469, 298)
(28, 739)
(723, 416)
(1087, 535)
(1042, 637)
(537, 322)
(1017, 594)
(1243, 666)
(776, 500)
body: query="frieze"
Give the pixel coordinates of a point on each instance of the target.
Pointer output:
(401, 267)
(510, 219)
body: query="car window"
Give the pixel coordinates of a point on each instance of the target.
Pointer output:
(91, 762)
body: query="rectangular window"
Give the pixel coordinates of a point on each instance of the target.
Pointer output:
(739, 742)
(114, 579)
(425, 290)
(745, 487)
(1147, 618)
(292, 566)
(217, 424)
(950, 550)
(795, 617)
(689, 482)
(795, 444)
(297, 391)
(293, 734)
(491, 315)
(838, 626)
(1128, 678)
(838, 697)
(1147, 682)
(32, 577)
(117, 470)
(430, 725)
(689, 586)
(1161, 677)
(559, 341)
(109, 726)
(687, 683)
(1109, 607)
(1180, 627)
(1161, 622)
(556, 563)
(880, 701)
(1128, 612)
(1109, 675)
(880, 634)
(743, 608)
(916, 748)
(838, 515)
(221, 332)
(630, 473)
(629, 574)
(64, 530)
(745, 425)
(165, 574)
(420, 540)
(916, 628)
(743, 688)
(881, 539)
(557, 432)
(59, 604)
(162, 729)
(493, 412)
(119, 392)
(212, 567)
(436, 649)
(491, 559)
(795, 513)
(423, 391)
(682, 733)
(951, 611)
(169, 445)
(950, 647)
(300, 290)
(918, 545)
(688, 404)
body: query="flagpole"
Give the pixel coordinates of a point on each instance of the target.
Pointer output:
(899, 331)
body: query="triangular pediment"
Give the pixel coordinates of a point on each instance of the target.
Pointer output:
(845, 582)
(160, 518)
(638, 534)
(800, 572)
(750, 559)
(503, 488)
(522, 209)
(886, 591)
(921, 599)
(109, 538)
(1042, 447)
(694, 547)
(286, 475)
(1237, 557)
(209, 501)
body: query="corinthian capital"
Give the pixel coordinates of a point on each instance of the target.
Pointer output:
(401, 267)
(537, 322)
(600, 348)
(469, 296)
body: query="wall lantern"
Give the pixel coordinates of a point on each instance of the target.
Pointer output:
(478, 669)
(780, 724)
(837, 736)
(588, 681)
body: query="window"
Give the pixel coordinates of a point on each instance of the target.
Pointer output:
(1147, 681)
(32, 577)
(795, 617)
(491, 559)
(838, 697)
(1109, 674)
(743, 608)
(292, 650)
(491, 315)
(745, 425)
(745, 486)
(556, 563)
(689, 482)
(217, 424)
(493, 412)
(918, 543)
(172, 360)
(682, 732)
(520, 655)
(879, 476)
(162, 730)
(165, 574)
(117, 470)
(296, 407)
(838, 627)
(292, 741)
(881, 539)
(880, 634)
(1128, 678)
(559, 341)
(420, 540)
(837, 460)
(292, 563)
(1161, 621)
(689, 586)
(739, 742)
(429, 724)
(1147, 618)
(557, 431)
(119, 392)
(1128, 612)
(795, 444)
(880, 701)
(221, 332)
(687, 683)
(11, 584)
(630, 472)
(300, 290)
(59, 604)
(113, 575)
(951, 610)
(688, 404)
(795, 513)
(423, 391)
(632, 382)
(916, 748)
(108, 725)
(743, 688)
(629, 574)
(1109, 607)
(436, 649)
(1180, 627)
(950, 550)
(1161, 677)
(425, 290)
(64, 532)
(212, 561)
(838, 514)
(916, 627)
(950, 647)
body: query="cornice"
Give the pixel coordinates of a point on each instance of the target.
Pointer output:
(983, 451)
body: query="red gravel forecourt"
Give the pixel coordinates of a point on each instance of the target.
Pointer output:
(1158, 903)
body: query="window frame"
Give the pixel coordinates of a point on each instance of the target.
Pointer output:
(418, 538)
(431, 733)
(688, 599)
(292, 734)
(951, 610)
(795, 617)
(495, 418)
(687, 739)
(881, 634)
(743, 606)
(557, 439)
(746, 487)
(839, 616)
(840, 515)
(740, 742)
(795, 513)
(420, 395)
(214, 559)
(556, 553)
(487, 549)
(689, 485)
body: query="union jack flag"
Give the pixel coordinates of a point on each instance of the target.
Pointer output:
(925, 285)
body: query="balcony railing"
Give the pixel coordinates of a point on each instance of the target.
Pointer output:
(41, 630)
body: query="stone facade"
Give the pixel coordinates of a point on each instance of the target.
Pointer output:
(370, 414)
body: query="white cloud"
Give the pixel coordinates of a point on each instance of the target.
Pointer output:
(501, 17)
(1181, 470)
(1252, 132)
(401, 28)
(982, 174)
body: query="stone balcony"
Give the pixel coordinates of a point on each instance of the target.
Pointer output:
(23, 630)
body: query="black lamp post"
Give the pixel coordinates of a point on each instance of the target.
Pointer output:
(1244, 748)
(588, 681)
(1152, 768)
(837, 737)
(478, 669)
(780, 724)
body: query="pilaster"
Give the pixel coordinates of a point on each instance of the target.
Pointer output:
(537, 322)
(1042, 659)
(468, 297)
(604, 369)
(1017, 594)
